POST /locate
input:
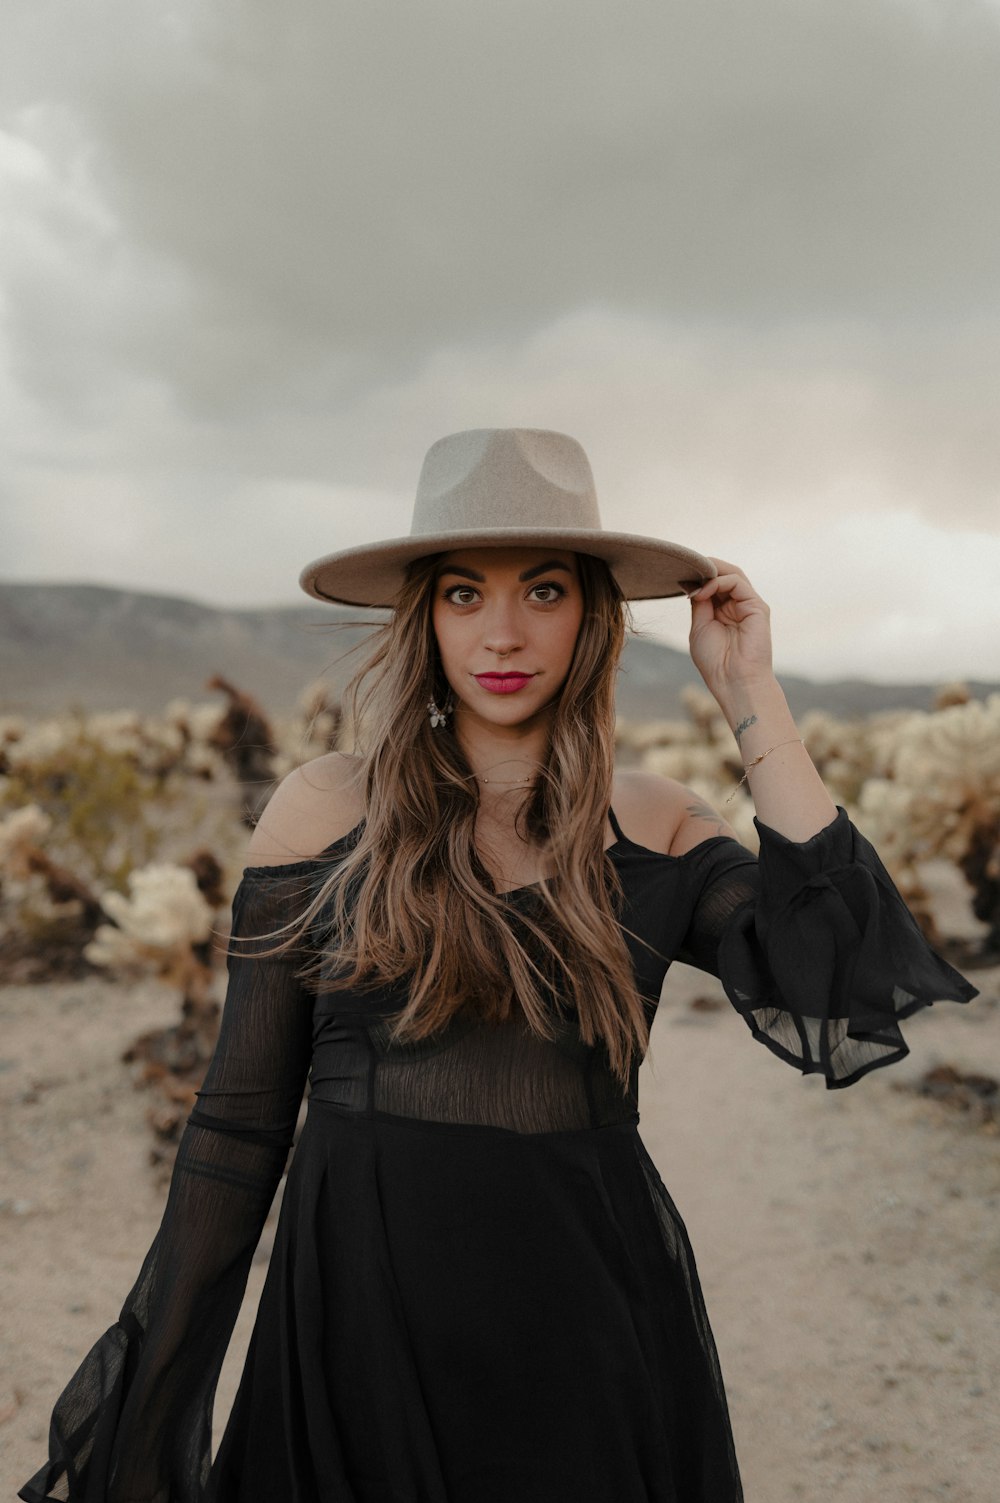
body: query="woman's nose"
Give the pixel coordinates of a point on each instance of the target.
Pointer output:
(502, 633)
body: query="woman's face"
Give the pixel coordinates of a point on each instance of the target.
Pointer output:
(506, 622)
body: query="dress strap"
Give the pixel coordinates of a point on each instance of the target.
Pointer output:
(615, 825)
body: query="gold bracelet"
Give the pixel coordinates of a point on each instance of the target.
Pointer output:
(743, 779)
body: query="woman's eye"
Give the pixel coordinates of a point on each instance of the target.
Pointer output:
(555, 591)
(466, 594)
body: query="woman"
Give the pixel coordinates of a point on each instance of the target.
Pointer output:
(480, 1290)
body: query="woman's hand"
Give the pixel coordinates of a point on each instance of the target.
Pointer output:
(731, 648)
(730, 638)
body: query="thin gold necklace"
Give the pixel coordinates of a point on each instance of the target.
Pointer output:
(503, 782)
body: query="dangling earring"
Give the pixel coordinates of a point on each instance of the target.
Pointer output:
(440, 717)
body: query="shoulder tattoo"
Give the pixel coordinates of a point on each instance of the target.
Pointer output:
(697, 808)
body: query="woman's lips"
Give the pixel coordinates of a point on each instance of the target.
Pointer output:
(503, 683)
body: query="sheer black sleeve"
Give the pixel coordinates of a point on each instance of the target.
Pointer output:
(815, 948)
(134, 1423)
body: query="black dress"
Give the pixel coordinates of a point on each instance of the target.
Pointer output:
(480, 1290)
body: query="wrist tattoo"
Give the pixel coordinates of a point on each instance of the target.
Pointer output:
(744, 725)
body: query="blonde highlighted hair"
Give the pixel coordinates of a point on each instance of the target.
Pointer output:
(411, 900)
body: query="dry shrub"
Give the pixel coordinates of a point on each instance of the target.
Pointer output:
(247, 743)
(976, 1097)
(103, 807)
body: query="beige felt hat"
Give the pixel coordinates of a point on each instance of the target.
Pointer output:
(493, 487)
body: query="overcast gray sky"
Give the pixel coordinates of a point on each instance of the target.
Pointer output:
(255, 258)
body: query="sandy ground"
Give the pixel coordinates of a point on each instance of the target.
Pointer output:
(847, 1241)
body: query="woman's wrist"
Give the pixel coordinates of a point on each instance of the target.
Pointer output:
(788, 793)
(754, 711)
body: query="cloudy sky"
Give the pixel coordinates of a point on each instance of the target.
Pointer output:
(255, 258)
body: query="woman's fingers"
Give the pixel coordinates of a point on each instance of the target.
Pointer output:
(728, 576)
(729, 587)
(724, 566)
(722, 584)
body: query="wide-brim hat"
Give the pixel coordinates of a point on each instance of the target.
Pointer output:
(498, 487)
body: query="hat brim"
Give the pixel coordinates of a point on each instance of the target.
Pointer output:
(373, 574)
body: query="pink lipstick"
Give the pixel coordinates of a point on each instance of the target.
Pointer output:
(503, 683)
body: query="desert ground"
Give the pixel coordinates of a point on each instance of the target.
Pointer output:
(847, 1241)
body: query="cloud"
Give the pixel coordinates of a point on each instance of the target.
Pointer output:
(258, 258)
(885, 597)
(374, 181)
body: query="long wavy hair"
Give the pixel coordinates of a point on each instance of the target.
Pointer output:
(411, 900)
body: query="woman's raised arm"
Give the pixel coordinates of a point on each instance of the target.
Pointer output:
(813, 942)
(730, 644)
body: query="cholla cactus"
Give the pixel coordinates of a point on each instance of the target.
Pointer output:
(885, 814)
(104, 806)
(841, 751)
(164, 926)
(28, 870)
(706, 716)
(322, 716)
(246, 741)
(12, 729)
(42, 741)
(313, 730)
(695, 763)
(120, 732)
(956, 693)
(54, 913)
(21, 835)
(197, 726)
(958, 749)
(949, 762)
(640, 736)
(156, 927)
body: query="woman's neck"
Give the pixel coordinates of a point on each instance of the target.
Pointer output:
(504, 765)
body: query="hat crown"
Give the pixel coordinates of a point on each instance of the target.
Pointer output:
(504, 488)
(504, 477)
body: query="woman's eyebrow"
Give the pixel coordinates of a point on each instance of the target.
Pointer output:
(552, 563)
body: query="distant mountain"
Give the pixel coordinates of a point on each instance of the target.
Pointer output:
(64, 646)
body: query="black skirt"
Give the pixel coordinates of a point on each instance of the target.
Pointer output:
(458, 1314)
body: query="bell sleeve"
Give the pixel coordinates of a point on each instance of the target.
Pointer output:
(134, 1423)
(815, 948)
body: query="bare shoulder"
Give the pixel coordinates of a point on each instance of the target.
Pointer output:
(645, 807)
(664, 815)
(312, 807)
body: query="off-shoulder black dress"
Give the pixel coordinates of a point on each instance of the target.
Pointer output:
(480, 1290)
